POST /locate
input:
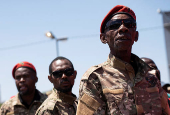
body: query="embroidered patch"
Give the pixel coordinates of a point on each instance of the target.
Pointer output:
(113, 91)
(87, 105)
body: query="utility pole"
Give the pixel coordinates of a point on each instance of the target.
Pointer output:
(166, 24)
(0, 93)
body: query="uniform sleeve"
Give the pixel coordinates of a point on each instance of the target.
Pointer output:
(4, 109)
(91, 100)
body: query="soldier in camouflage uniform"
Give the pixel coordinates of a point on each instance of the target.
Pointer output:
(28, 100)
(124, 84)
(61, 101)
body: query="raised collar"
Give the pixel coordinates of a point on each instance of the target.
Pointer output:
(119, 64)
(70, 99)
(39, 97)
(136, 66)
(36, 98)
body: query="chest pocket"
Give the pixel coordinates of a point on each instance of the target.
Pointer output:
(113, 95)
(16, 113)
(20, 110)
(10, 113)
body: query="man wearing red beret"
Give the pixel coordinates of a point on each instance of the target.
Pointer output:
(27, 101)
(124, 84)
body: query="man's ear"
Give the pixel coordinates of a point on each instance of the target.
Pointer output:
(50, 78)
(136, 36)
(103, 38)
(75, 74)
(36, 79)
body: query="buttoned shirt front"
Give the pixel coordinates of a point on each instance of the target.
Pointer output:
(116, 87)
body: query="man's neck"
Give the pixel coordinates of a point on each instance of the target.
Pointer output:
(68, 93)
(28, 98)
(123, 55)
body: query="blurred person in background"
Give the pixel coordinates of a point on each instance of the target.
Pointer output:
(166, 87)
(152, 64)
(28, 100)
(61, 101)
(124, 84)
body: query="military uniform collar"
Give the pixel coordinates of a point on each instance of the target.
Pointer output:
(39, 97)
(70, 99)
(136, 65)
(16, 100)
(119, 64)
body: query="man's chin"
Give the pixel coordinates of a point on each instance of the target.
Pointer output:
(23, 92)
(123, 48)
(64, 90)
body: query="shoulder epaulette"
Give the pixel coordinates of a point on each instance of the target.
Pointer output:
(51, 102)
(91, 70)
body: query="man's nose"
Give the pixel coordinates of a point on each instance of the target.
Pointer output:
(22, 79)
(123, 29)
(64, 76)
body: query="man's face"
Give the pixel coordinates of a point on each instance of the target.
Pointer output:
(150, 63)
(153, 65)
(25, 80)
(63, 77)
(122, 38)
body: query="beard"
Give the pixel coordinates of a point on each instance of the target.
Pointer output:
(64, 90)
(24, 92)
(28, 91)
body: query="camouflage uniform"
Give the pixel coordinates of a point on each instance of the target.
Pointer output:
(118, 88)
(58, 103)
(15, 107)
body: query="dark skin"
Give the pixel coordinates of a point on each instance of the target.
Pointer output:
(166, 88)
(152, 64)
(25, 80)
(65, 83)
(120, 40)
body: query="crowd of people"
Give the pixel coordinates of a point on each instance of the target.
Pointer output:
(122, 85)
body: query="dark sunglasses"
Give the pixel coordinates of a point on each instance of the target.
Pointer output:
(58, 74)
(129, 23)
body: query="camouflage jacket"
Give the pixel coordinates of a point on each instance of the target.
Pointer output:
(15, 107)
(58, 103)
(116, 88)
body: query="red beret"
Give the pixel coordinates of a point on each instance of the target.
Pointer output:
(22, 64)
(116, 10)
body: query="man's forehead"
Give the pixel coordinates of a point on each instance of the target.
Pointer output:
(23, 70)
(149, 61)
(121, 16)
(61, 63)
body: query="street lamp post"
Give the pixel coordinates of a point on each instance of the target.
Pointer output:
(50, 35)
